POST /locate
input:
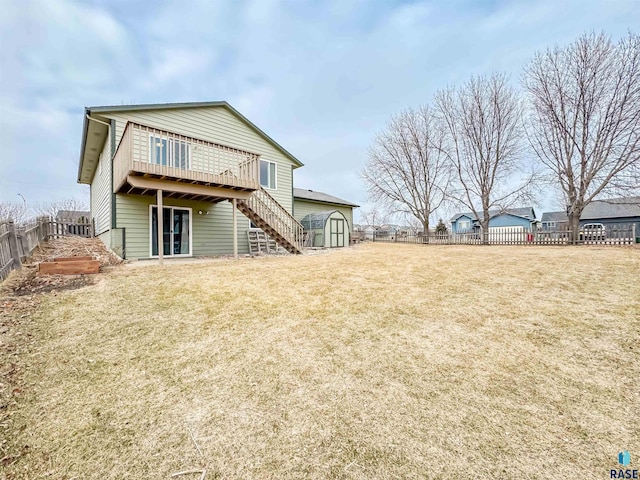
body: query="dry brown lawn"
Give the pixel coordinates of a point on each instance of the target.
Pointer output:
(376, 362)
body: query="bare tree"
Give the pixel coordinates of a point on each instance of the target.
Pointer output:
(585, 120)
(407, 170)
(18, 212)
(51, 209)
(376, 216)
(483, 143)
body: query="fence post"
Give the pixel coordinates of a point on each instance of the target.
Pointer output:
(39, 229)
(13, 246)
(24, 241)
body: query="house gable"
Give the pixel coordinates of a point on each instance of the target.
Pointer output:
(510, 220)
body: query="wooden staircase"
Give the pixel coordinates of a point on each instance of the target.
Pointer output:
(264, 211)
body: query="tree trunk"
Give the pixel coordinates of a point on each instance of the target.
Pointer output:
(574, 227)
(484, 226)
(425, 229)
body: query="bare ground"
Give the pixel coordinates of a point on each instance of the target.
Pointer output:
(381, 361)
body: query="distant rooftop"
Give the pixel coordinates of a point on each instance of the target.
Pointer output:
(554, 217)
(622, 207)
(612, 208)
(310, 195)
(524, 212)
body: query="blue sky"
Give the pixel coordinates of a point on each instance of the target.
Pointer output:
(321, 78)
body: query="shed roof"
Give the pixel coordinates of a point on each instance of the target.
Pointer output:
(318, 220)
(320, 197)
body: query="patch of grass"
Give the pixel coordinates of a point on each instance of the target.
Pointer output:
(381, 361)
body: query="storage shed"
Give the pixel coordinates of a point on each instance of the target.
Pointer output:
(328, 228)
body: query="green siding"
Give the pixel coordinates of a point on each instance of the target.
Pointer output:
(303, 208)
(214, 124)
(212, 232)
(100, 192)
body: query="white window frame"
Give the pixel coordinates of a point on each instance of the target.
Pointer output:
(464, 225)
(151, 235)
(171, 150)
(275, 180)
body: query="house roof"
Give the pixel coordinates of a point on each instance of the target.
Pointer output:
(166, 106)
(524, 212)
(554, 217)
(320, 197)
(72, 214)
(622, 207)
(612, 208)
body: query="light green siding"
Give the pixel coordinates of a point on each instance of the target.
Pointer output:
(302, 208)
(211, 232)
(214, 124)
(100, 191)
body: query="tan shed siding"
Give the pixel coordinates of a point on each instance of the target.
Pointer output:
(215, 124)
(303, 208)
(327, 230)
(100, 191)
(212, 233)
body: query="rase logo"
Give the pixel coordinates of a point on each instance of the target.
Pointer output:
(624, 459)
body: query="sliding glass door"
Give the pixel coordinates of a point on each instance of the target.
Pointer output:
(176, 231)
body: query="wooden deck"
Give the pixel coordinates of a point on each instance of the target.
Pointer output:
(187, 167)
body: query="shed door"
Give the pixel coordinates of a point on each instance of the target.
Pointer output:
(337, 232)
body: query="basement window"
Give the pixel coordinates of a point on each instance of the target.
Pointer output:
(268, 174)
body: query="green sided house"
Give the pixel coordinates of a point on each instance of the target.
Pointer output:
(185, 179)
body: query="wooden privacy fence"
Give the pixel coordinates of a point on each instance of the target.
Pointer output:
(618, 234)
(17, 242)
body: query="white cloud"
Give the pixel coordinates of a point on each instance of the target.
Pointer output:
(320, 78)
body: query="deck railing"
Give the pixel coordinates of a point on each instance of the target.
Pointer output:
(147, 150)
(267, 208)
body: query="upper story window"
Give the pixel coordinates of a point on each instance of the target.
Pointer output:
(464, 224)
(268, 174)
(169, 152)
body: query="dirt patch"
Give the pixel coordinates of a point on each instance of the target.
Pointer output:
(28, 281)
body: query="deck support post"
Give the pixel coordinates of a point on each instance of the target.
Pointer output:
(234, 203)
(160, 234)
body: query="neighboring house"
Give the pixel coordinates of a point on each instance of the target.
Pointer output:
(388, 231)
(510, 219)
(366, 232)
(196, 160)
(554, 221)
(609, 212)
(73, 216)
